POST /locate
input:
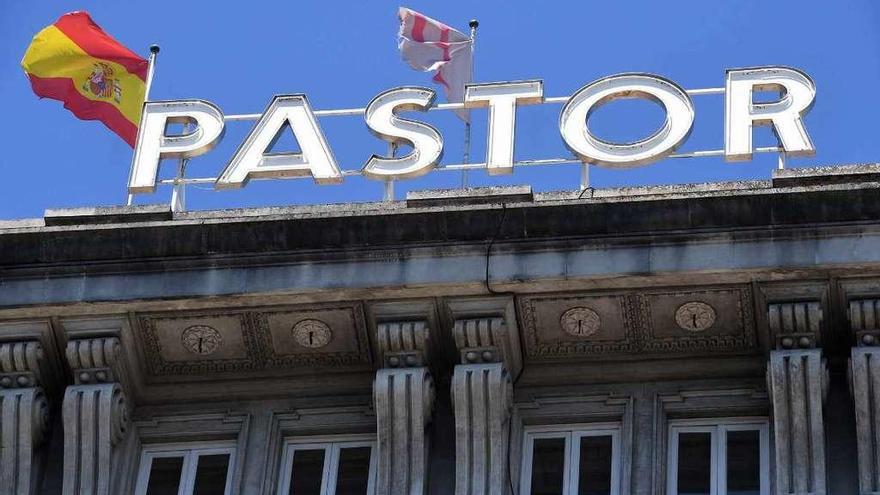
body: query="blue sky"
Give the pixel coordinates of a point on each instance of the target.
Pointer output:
(341, 54)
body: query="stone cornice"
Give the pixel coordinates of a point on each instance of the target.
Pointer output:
(300, 230)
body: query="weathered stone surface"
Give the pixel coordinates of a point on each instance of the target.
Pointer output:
(797, 381)
(482, 398)
(95, 416)
(404, 400)
(865, 374)
(24, 417)
(95, 421)
(94, 360)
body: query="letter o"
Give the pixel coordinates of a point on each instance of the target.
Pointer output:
(677, 127)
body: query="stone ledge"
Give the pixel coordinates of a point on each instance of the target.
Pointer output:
(810, 176)
(93, 215)
(470, 196)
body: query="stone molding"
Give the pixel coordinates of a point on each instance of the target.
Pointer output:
(482, 397)
(25, 421)
(404, 401)
(209, 426)
(720, 401)
(798, 383)
(95, 421)
(342, 420)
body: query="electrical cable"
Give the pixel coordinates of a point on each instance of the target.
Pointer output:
(518, 324)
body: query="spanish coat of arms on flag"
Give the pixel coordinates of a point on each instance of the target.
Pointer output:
(97, 78)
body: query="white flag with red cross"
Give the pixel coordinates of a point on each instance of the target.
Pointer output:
(429, 45)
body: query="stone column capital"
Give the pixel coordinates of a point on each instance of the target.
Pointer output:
(403, 343)
(21, 364)
(795, 325)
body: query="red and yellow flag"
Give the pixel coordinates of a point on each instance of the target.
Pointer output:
(76, 62)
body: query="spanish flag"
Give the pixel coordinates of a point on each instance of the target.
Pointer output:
(97, 78)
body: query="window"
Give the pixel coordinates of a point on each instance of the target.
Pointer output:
(718, 457)
(186, 469)
(329, 466)
(571, 460)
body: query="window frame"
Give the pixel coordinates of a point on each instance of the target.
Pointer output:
(570, 432)
(189, 451)
(717, 429)
(332, 445)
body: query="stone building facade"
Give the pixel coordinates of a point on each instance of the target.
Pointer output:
(716, 338)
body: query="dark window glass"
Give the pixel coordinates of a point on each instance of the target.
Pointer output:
(743, 462)
(308, 470)
(354, 471)
(211, 472)
(594, 476)
(164, 475)
(694, 463)
(548, 463)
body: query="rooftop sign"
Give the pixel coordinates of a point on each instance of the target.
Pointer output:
(384, 117)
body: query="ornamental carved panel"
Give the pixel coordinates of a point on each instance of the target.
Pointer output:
(253, 340)
(718, 320)
(660, 322)
(609, 322)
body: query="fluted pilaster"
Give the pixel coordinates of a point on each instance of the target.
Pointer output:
(797, 383)
(404, 396)
(24, 416)
(482, 396)
(865, 387)
(95, 418)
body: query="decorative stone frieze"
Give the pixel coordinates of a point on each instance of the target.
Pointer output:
(24, 416)
(797, 381)
(95, 417)
(404, 398)
(482, 396)
(864, 369)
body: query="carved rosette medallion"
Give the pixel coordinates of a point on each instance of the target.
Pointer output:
(695, 316)
(580, 322)
(312, 333)
(201, 340)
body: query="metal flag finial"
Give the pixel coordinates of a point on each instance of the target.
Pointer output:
(154, 48)
(474, 24)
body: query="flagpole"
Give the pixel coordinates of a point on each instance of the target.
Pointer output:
(474, 24)
(388, 192)
(154, 52)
